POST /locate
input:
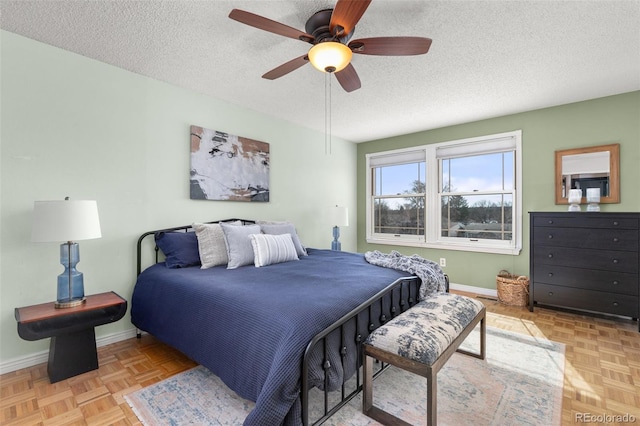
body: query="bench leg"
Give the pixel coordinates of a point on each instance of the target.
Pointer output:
(367, 383)
(432, 397)
(483, 341)
(483, 338)
(368, 408)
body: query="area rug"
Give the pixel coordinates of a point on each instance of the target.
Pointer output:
(520, 383)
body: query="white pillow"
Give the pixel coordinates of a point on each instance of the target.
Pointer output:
(211, 245)
(269, 249)
(238, 244)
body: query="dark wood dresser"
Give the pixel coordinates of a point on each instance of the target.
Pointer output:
(586, 261)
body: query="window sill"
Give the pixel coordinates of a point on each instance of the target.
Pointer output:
(477, 248)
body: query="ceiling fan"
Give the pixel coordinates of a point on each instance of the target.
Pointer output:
(330, 32)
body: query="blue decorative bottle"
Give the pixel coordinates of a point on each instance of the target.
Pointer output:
(336, 244)
(70, 282)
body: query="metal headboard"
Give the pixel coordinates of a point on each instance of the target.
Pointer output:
(184, 228)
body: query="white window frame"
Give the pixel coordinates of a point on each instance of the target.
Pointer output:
(433, 153)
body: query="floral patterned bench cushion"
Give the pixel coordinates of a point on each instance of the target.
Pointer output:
(425, 331)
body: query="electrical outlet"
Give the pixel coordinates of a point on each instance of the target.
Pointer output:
(443, 262)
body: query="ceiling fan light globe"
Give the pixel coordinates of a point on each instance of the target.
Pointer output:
(330, 56)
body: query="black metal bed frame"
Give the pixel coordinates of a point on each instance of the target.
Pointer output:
(369, 315)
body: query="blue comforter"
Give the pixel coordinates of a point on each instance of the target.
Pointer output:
(250, 326)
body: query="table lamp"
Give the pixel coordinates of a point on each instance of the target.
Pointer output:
(339, 216)
(575, 197)
(67, 220)
(593, 198)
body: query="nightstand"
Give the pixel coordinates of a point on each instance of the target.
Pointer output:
(72, 350)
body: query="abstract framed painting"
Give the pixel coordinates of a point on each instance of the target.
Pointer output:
(228, 167)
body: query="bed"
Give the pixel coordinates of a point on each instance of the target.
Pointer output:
(273, 334)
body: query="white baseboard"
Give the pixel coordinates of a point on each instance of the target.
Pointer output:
(471, 289)
(43, 356)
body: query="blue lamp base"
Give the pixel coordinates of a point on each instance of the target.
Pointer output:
(70, 282)
(335, 244)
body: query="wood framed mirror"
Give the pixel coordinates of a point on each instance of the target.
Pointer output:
(590, 167)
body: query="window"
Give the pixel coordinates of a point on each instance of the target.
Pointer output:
(399, 194)
(460, 195)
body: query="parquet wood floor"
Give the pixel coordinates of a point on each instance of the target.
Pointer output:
(602, 373)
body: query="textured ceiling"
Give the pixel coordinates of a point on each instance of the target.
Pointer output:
(488, 58)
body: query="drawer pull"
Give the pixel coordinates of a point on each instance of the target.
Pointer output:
(615, 261)
(615, 223)
(550, 293)
(550, 255)
(550, 274)
(615, 304)
(616, 282)
(550, 222)
(550, 237)
(615, 239)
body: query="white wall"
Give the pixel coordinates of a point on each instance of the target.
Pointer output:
(71, 126)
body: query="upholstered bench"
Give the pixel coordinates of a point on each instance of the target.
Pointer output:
(421, 340)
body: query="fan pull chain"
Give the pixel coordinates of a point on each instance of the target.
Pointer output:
(327, 113)
(330, 117)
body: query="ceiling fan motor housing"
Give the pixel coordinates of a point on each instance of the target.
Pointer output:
(318, 27)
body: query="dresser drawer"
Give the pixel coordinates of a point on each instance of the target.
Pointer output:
(615, 261)
(589, 279)
(605, 239)
(584, 220)
(590, 300)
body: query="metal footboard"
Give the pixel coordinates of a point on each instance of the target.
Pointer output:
(371, 314)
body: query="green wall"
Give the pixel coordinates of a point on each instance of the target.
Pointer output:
(72, 126)
(614, 119)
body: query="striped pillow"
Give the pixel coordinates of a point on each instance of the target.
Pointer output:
(269, 249)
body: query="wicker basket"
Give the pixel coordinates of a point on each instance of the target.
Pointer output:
(513, 290)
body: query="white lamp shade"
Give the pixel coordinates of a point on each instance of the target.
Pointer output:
(65, 220)
(339, 216)
(330, 56)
